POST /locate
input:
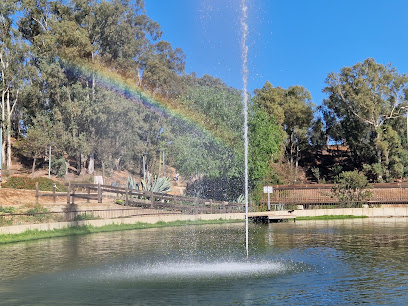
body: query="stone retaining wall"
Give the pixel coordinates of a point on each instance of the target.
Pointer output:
(369, 212)
(15, 229)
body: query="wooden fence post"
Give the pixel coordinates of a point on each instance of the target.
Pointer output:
(37, 192)
(152, 199)
(89, 194)
(127, 196)
(69, 193)
(174, 202)
(73, 195)
(54, 197)
(99, 193)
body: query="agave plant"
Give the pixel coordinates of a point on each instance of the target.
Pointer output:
(132, 184)
(240, 199)
(161, 184)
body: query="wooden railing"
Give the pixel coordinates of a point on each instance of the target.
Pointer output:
(145, 199)
(322, 194)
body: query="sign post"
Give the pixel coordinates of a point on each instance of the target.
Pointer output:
(268, 190)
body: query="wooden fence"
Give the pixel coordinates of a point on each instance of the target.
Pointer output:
(322, 194)
(145, 199)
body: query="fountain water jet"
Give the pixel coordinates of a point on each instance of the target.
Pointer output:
(244, 47)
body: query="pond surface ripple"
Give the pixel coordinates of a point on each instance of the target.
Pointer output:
(308, 262)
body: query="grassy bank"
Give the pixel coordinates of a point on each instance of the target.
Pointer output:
(330, 217)
(83, 230)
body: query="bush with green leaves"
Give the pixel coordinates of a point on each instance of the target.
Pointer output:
(38, 214)
(28, 183)
(7, 210)
(58, 166)
(85, 216)
(352, 188)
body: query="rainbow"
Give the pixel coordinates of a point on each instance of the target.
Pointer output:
(127, 87)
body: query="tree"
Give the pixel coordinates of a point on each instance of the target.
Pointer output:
(266, 144)
(12, 71)
(363, 100)
(351, 188)
(317, 135)
(293, 110)
(37, 141)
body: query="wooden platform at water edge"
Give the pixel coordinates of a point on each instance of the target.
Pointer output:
(272, 216)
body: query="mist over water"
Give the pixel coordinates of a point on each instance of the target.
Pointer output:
(187, 271)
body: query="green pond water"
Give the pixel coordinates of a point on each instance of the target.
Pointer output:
(307, 262)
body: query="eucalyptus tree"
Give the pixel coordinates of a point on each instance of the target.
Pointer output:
(293, 109)
(13, 53)
(363, 101)
(70, 42)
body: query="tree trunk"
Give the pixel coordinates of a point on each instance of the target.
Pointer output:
(91, 165)
(83, 165)
(379, 155)
(8, 132)
(3, 117)
(139, 78)
(66, 163)
(297, 162)
(103, 171)
(33, 169)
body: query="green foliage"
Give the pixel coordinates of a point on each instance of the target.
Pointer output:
(337, 169)
(83, 230)
(364, 110)
(265, 147)
(38, 214)
(292, 110)
(7, 210)
(316, 173)
(37, 209)
(352, 188)
(120, 202)
(158, 184)
(28, 183)
(218, 108)
(58, 166)
(85, 216)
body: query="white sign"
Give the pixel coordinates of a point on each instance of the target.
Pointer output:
(268, 189)
(98, 180)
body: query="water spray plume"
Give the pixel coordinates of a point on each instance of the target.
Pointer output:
(244, 47)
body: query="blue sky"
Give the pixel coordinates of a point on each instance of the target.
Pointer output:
(291, 42)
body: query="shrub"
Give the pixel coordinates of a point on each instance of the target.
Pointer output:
(85, 217)
(28, 183)
(120, 202)
(38, 215)
(7, 210)
(37, 209)
(351, 187)
(58, 166)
